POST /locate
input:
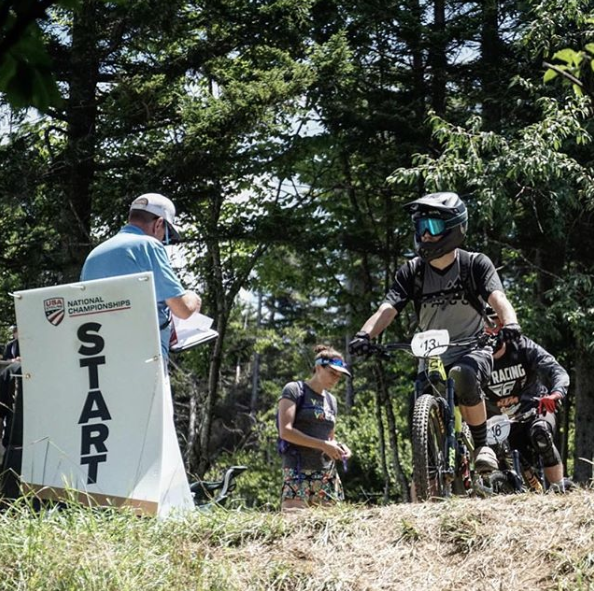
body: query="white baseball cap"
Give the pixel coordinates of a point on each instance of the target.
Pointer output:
(160, 206)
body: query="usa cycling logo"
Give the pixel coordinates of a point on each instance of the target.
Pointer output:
(54, 310)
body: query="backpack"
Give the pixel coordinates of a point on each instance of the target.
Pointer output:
(467, 279)
(283, 446)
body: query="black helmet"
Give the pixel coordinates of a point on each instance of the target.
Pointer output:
(440, 214)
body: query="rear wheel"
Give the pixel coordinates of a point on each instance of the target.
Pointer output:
(428, 445)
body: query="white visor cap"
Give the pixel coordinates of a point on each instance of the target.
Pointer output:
(160, 206)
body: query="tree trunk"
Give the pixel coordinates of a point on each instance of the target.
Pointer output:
(438, 61)
(490, 64)
(216, 292)
(413, 36)
(584, 417)
(382, 444)
(392, 429)
(256, 361)
(80, 152)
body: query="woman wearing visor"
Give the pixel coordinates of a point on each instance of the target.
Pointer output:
(449, 288)
(306, 421)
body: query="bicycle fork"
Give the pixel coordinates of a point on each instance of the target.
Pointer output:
(458, 464)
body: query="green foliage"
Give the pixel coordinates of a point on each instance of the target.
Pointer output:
(364, 481)
(27, 77)
(274, 126)
(570, 25)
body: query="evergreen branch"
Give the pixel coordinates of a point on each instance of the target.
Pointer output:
(22, 22)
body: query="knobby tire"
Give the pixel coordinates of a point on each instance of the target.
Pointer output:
(428, 445)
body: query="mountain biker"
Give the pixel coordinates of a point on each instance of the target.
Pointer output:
(525, 376)
(306, 420)
(449, 288)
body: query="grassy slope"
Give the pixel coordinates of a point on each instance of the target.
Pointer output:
(514, 542)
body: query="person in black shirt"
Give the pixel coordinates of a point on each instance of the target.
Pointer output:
(11, 367)
(449, 287)
(526, 376)
(306, 422)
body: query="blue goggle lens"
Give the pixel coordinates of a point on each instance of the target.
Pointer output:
(435, 226)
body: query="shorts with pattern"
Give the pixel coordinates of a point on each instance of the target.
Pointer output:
(312, 486)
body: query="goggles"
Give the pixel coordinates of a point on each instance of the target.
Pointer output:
(435, 226)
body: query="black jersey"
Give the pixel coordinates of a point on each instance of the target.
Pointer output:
(524, 372)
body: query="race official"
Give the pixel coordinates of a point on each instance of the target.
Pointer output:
(139, 247)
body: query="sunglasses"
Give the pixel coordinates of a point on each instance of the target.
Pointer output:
(435, 226)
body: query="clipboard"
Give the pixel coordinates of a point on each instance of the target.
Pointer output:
(191, 332)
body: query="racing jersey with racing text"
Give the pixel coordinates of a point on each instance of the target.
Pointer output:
(521, 375)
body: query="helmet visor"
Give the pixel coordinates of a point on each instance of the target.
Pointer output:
(435, 226)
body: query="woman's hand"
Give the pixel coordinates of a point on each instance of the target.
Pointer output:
(335, 450)
(346, 452)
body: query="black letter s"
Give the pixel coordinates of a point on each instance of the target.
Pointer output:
(95, 341)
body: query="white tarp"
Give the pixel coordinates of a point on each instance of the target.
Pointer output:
(98, 415)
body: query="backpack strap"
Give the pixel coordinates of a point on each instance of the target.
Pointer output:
(466, 259)
(467, 278)
(299, 402)
(282, 445)
(417, 268)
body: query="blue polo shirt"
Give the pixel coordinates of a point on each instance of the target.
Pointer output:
(132, 251)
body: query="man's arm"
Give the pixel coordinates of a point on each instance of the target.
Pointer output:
(373, 326)
(396, 299)
(548, 370)
(505, 311)
(377, 323)
(510, 329)
(185, 305)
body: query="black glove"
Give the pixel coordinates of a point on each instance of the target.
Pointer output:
(510, 332)
(360, 344)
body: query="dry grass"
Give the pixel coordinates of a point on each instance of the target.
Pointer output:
(506, 543)
(514, 542)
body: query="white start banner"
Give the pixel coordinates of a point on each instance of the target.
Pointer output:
(97, 408)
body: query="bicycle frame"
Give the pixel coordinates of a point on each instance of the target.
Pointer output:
(438, 431)
(515, 469)
(456, 445)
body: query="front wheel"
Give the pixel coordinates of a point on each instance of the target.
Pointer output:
(428, 446)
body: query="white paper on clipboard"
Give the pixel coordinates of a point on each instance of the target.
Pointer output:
(193, 331)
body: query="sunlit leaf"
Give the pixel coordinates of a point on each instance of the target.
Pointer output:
(549, 75)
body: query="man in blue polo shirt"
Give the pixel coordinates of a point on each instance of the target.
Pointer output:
(138, 247)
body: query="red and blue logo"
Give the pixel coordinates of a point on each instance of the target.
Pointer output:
(54, 310)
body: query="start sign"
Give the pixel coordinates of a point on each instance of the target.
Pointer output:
(97, 409)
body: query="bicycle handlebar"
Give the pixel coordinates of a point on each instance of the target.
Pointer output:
(481, 340)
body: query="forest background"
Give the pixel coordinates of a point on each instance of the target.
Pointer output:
(289, 133)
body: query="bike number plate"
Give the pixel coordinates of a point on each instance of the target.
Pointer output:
(498, 429)
(431, 343)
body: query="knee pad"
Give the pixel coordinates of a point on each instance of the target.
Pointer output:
(541, 437)
(466, 386)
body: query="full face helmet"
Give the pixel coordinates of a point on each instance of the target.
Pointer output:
(440, 214)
